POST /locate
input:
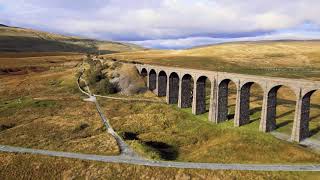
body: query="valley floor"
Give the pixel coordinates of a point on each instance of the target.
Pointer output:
(44, 110)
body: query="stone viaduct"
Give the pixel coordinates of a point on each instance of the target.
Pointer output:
(176, 85)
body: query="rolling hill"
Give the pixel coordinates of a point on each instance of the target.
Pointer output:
(292, 59)
(13, 39)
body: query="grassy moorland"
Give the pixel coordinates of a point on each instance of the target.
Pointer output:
(42, 108)
(291, 59)
(14, 39)
(20, 166)
(165, 132)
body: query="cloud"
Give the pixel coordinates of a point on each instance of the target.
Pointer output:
(152, 20)
(183, 43)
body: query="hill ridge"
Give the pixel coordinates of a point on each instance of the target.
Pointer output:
(17, 39)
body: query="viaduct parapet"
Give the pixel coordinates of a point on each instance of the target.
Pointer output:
(176, 85)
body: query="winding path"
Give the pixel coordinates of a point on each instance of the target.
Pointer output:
(138, 161)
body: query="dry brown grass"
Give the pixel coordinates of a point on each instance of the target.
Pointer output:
(20, 60)
(165, 132)
(297, 59)
(23, 40)
(19, 166)
(291, 59)
(44, 110)
(272, 54)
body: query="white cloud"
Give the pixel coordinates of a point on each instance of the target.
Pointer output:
(160, 19)
(183, 43)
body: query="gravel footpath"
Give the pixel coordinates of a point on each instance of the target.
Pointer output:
(138, 161)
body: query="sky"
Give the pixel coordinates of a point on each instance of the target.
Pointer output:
(168, 24)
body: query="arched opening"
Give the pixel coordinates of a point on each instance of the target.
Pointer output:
(186, 91)
(203, 90)
(226, 100)
(144, 74)
(173, 88)
(280, 110)
(162, 84)
(314, 115)
(251, 98)
(152, 80)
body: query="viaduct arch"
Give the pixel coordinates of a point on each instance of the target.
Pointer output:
(152, 80)
(187, 88)
(173, 88)
(162, 84)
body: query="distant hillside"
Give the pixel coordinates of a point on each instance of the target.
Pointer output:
(281, 53)
(294, 59)
(14, 39)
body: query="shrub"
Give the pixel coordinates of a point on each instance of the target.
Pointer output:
(94, 76)
(105, 66)
(80, 127)
(82, 83)
(78, 74)
(5, 126)
(115, 65)
(105, 87)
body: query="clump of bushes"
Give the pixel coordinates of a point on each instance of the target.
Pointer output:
(104, 87)
(112, 77)
(98, 82)
(6, 126)
(81, 127)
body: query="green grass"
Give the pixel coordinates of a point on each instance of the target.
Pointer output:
(10, 107)
(169, 133)
(44, 110)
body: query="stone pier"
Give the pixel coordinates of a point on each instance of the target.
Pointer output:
(200, 96)
(268, 114)
(301, 120)
(187, 87)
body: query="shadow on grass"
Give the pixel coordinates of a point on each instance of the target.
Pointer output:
(314, 117)
(130, 136)
(5, 127)
(256, 99)
(253, 120)
(284, 123)
(230, 116)
(166, 151)
(314, 131)
(285, 114)
(255, 110)
(252, 112)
